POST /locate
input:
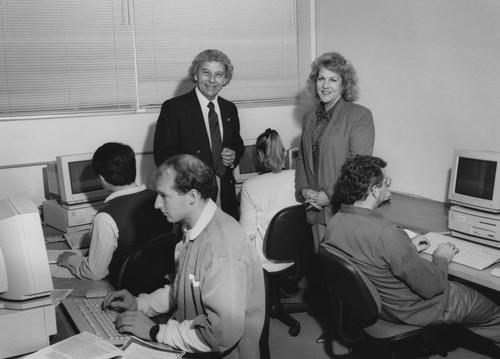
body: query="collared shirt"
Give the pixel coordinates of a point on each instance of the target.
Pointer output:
(205, 218)
(180, 335)
(204, 109)
(218, 292)
(103, 243)
(412, 290)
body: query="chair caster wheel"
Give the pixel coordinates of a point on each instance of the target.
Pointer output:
(294, 331)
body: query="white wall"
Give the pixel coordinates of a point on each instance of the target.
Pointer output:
(430, 72)
(26, 145)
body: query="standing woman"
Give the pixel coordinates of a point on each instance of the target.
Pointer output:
(333, 131)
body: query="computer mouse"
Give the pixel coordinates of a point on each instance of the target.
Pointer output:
(96, 293)
(496, 271)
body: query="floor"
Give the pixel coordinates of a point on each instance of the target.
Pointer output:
(284, 346)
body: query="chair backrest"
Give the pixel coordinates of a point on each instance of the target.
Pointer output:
(145, 269)
(359, 297)
(288, 236)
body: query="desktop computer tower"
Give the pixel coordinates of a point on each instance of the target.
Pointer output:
(70, 218)
(27, 330)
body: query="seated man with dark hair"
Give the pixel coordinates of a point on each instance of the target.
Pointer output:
(413, 290)
(218, 293)
(128, 219)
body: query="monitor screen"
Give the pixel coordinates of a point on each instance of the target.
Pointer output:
(475, 180)
(77, 182)
(249, 165)
(476, 177)
(83, 178)
(249, 162)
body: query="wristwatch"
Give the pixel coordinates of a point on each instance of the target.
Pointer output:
(153, 332)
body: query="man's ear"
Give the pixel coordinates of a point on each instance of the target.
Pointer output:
(193, 196)
(375, 191)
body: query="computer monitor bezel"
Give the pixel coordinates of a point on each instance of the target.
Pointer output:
(64, 177)
(23, 246)
(489, 205)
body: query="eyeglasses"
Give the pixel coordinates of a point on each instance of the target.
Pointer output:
(388, 182)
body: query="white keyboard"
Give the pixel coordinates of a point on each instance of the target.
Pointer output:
(87, 315)
(469, 254)
(78, 240)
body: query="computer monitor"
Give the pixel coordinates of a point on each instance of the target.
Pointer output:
(27, 315)
(249, 165)
(73, 179)
(475, 180)
(27, 274)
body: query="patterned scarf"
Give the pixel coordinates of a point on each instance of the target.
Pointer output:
(322, 120)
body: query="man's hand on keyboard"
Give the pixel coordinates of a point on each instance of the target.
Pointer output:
(446, 251)
(62, 260)
(421, 243)
(120, 300)
(135, 323)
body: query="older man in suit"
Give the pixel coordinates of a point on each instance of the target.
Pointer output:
(203, 124)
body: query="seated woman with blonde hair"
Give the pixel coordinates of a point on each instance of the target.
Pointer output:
(265, 195)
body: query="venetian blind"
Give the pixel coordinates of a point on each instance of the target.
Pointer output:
(89, 55)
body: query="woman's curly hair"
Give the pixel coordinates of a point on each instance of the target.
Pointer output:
(335, 62)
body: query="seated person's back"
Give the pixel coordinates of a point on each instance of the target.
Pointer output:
(412, 290)
(128, 219)
(265, 195)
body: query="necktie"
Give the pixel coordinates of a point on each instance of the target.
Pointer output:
(213, 121)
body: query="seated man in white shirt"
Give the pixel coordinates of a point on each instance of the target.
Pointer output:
(128, 219)
(217, 297)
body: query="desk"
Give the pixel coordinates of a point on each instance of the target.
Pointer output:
(417, 214)
(80, 287)
(423, 215)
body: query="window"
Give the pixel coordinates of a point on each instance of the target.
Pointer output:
(66, 56)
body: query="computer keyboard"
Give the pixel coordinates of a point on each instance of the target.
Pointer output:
(469, 254)
(87, 315)
(78, 240)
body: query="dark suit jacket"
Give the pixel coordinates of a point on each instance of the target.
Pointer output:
(181, 129)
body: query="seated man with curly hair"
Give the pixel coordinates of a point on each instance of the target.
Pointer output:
(413, 290)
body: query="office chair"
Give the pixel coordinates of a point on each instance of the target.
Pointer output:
(145, 269)
(358, 306)
(288, 238)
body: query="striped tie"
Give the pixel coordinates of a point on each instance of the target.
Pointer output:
(213, 121)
